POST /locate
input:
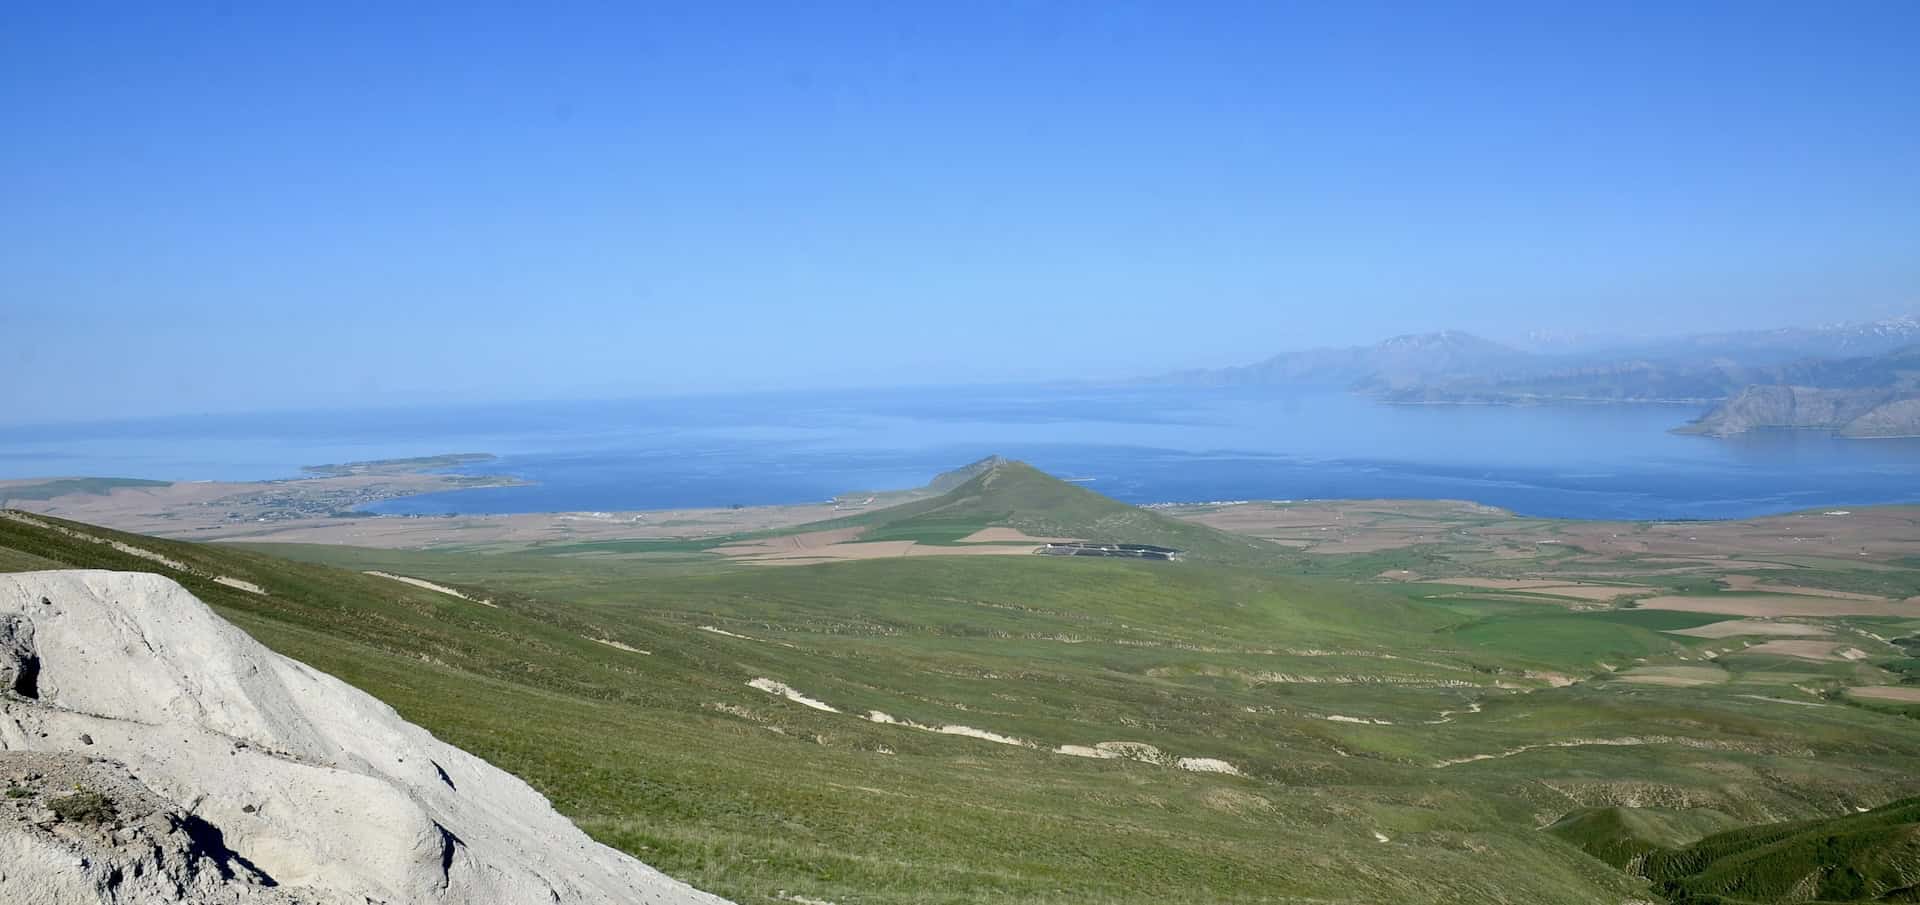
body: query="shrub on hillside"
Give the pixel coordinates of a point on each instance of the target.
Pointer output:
(83, 806)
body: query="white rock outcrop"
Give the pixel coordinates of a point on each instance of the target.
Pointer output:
(243, 776)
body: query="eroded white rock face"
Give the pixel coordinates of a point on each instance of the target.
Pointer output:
(145, 850)
(317, 785)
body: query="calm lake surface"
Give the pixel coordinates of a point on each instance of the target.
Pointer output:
(1138, 445)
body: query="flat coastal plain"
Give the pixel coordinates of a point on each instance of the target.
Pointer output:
(321, 507)
(1329, 702)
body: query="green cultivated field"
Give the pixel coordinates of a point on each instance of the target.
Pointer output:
(1383, 746)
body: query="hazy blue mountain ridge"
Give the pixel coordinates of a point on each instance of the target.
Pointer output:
(1456, 367)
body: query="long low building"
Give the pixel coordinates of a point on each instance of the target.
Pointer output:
(1132, 551)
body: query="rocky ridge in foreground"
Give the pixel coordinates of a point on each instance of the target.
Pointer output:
(152, 752)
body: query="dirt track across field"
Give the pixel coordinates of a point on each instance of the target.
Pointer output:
(1781, 605)
(1820, 651)
(1736, 627)
(844, 544)
(1904, 694)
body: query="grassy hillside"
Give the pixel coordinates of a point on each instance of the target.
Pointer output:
(1012, 494)
(1383, 747)
(1867, 857)
(1623, 836)
(947, 481)
(993, 492)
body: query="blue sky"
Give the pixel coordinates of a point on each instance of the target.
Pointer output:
(241, 206)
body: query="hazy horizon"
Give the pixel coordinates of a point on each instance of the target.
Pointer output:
(226, 209)
(776, 386)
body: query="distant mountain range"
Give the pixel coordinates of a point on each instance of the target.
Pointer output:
(1399, 362)
(1778, 345)
(1877, 396)
(1787, 344)
(1859, 379)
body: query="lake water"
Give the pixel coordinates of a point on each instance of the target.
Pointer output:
(1138, 445)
